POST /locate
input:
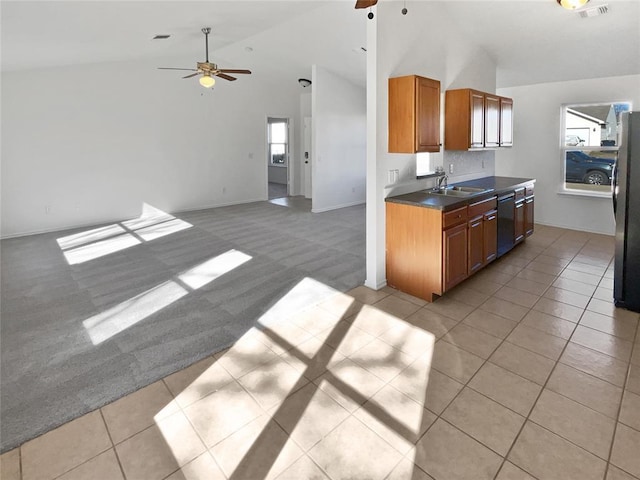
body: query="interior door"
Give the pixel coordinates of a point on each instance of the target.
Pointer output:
(306, 158)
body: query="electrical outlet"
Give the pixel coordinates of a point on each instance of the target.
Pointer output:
(47, 209)
(451, 168)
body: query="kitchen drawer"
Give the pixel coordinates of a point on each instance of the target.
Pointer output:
(454, 217)
(479, 208)
(528, 190)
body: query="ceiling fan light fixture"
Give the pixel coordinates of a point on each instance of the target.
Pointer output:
(207, 81)
(572, 4)
(304, 82)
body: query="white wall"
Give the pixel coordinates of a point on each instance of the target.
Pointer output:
(425, 42)
(338, 141)
(536, 151)
(94, 142)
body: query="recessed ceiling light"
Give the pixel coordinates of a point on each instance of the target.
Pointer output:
(161, 37)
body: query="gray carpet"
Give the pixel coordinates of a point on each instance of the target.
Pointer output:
(55, 368)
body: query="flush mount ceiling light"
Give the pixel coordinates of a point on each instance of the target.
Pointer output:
(572, 4)
(304, 82)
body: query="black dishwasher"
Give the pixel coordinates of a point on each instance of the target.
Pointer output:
(506, 231)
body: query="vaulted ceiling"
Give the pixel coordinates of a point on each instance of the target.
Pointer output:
(531, 41)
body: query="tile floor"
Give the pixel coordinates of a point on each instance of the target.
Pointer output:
(524, 371)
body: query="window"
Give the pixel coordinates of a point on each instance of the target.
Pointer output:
(277, 141)
(590, 140)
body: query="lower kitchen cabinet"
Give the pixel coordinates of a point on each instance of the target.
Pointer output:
(476, 244)
(518, 221)
(523, 217)
(518, 216)
(430, 251)
(483, 234)
(528, 213)
(454, 264)
(490, 236)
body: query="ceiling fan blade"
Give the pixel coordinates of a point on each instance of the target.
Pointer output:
(172, 68)
(231, 70)
(192, 75)
(365, 3)
(226, 77)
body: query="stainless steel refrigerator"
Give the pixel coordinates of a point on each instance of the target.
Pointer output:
(626, 206)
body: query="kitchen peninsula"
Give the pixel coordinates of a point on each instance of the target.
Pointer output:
(437, 239)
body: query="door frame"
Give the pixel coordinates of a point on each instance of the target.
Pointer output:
(290, 146)
(307, 168)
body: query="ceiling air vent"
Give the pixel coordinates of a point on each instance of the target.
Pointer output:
(593, 11)
(161, 37)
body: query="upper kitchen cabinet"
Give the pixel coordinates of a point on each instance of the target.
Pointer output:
(414, 114)
(506, 122)
(491, 121)
(477, 120)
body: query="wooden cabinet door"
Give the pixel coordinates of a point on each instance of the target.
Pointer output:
(414, 114)
(427, 115)
(490, 236)
(491, 121)
(506, 122)
(518, 221)
(528, 216)
(477, 120)
(454, 256)
(476, 245)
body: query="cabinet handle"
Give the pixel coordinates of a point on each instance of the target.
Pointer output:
(491, 217)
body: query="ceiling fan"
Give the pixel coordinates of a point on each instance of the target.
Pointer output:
(208, 70)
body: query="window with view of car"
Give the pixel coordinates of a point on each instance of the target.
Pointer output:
(591, 134)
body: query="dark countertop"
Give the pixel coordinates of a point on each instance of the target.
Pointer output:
(496, 186)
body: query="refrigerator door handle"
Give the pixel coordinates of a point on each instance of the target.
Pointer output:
(614, 188)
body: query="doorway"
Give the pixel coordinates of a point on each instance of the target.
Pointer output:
(277, 157)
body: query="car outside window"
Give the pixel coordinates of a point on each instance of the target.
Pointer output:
(590, 139)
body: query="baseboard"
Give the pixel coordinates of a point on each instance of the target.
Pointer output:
(336, 207)
(375, 286)
(574, 229)
(96, 224)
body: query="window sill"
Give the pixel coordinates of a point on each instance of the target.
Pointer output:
(585, 193)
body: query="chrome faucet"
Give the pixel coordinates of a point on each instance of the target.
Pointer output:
(441, 180)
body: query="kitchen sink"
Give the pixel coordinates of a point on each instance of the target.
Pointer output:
(469, 189)
(451, 192)
(459, 191)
